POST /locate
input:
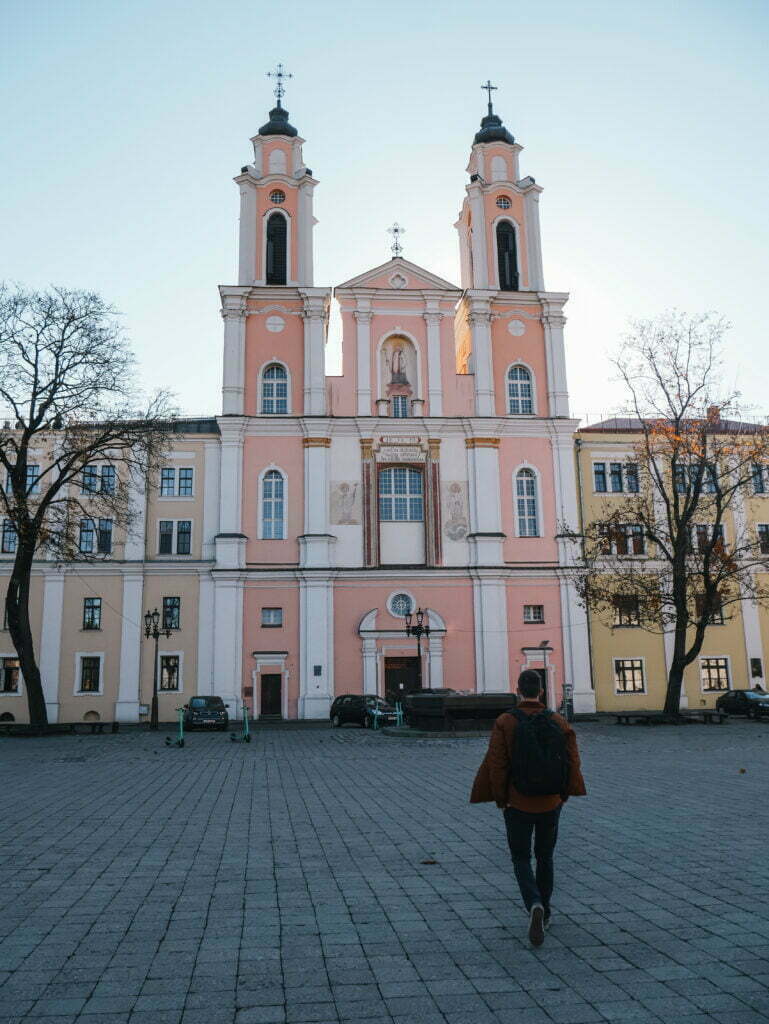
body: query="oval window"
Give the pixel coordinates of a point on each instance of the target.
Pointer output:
(277, 196)
(503, 202)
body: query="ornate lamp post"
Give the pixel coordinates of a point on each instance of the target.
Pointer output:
(151, 630)
(415, 627)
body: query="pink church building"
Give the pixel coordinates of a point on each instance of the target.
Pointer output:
(436, 472)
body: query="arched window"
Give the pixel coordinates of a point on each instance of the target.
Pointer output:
(507, 260)
(520, 397)
(275, 390)
(526, 503)
(276, 249)
(400, 495)
(273, 506)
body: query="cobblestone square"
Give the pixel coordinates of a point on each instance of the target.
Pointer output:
(290, 881)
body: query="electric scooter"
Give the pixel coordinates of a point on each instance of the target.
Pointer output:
(180, 741)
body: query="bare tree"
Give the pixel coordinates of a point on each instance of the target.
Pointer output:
(76, 443)
(676, 554)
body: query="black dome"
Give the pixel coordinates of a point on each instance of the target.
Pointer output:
(492, 130)
(278, 124)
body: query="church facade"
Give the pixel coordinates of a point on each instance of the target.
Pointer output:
(436, 472)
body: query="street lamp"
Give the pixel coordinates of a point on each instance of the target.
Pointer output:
(151, 630)
(417, 629)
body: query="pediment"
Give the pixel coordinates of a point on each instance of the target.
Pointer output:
(399, 275)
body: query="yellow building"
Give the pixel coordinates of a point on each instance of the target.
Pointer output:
(629, 663)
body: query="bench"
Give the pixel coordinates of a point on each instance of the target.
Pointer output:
(639, 717)
(708, 716)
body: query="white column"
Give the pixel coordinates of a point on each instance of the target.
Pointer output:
(205, 680)
(576, 650)
(136, 534)
(553, 322)
(127, 703)
(533, 239)
(434, 382)
(369, 666)
(485, 534)
(211, 478)
(228, 641)
(230, 541)
(483, 369)
(492, 670)
(247, 231)
(478, 238)
(315, 313)
(316, 646)
(315, 545)
(50, 640)
(305, 228)
(435, 662)
(233, 374)
(363, 356)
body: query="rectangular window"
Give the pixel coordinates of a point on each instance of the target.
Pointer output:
(679, 479)
(758, 479)
(629, 675)
(400, 495)
(9, 676)
(631, 477)
(33, 479)
(599, 477)
(627, 610)
(704, 534)
(92, 613)
(87, 538)
(615, 476)
(8, 542)
(90, 483)
(400, 407)
(90, 674)
(166, 537)
(183, 536)
(272, 617)
(108, 479)
(533, 613)
(709, 480)
(716, 617)
(714, 674)
(104, 538)
(763, 538)
(169, 671)
(185, 483)
(167, 482)
(172, 610)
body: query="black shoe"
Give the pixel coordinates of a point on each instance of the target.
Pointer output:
(537, 925)
(546, 918)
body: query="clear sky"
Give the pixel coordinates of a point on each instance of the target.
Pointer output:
(124, 121)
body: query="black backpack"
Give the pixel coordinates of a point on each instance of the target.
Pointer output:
(539, 765)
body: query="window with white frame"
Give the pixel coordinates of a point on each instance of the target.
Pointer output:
(95, 536)
(401, 495)
(174, 536)
(714, 674)
(520, 394)
(8, 539)
(273, 505)
(526, 503)
(629, 675)
(98, 480)
(716, 616)
(176, 483)
(400, 605)
(615, 477)
(533, 613)
(275, 390)
(627, 610)
(10, 674)
(707, 534)
(763, 538)
(623, 539)
(89, 673)
(272, 618)
(760, 478)
(172, 610)
(91, 613)
(170, 665)
(400, 407)
(685, 478)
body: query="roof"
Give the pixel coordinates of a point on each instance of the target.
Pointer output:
(278, 123)
(423, 279)
(634, 425)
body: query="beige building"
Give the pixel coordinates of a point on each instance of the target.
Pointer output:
(629, 664)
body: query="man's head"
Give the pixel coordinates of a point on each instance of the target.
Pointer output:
(529, 685)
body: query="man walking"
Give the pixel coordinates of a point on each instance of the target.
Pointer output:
(531, 768)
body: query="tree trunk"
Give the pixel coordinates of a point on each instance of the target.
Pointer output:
(675, 682)
(17, 605)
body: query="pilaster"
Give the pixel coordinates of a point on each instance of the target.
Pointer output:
(434, 379)
(478, 243)
(485, 536)
(433, 547)
(50, 640)
(230, 541)
(536, 282)
(553, 322)
(127, 703)
(247, 231)
(315, 317)
(211, 483)
(136, 534)
(492, 657)
(370, 488)
(306, 225)
(363, 317)
(480, 327)
(316, 646)
(228, 640)
(233, 374)
(315, 546)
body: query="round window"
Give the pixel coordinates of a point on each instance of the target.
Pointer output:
(400, 605)
(503, 202)
(278, 196)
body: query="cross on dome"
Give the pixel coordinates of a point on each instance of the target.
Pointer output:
(489, 89)
(396, 231)
(279, 74)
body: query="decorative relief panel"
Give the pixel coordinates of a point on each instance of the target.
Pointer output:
(400, 449)
(455, 509)
(345, 503)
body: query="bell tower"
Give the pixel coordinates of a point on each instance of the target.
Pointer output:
(276, 219)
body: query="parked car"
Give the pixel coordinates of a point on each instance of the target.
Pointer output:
(360, 709)
(744, 702)
(206, 713)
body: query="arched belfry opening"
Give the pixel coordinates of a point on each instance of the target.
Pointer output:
(507, 257)
(276, 249)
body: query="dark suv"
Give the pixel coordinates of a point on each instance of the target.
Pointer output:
(362, 710)
(752, 703)
(206, 713)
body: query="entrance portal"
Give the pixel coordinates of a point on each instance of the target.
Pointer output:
(401, 678)
(270, 706)
(542, 673)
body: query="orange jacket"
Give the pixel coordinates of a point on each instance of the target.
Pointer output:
(492, 781)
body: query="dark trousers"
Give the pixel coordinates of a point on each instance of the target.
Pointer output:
(535, 888)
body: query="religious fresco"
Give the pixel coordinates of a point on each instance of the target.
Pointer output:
(345, 503)
(455, 509)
